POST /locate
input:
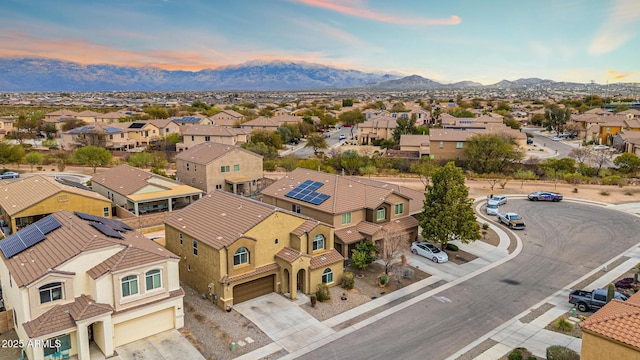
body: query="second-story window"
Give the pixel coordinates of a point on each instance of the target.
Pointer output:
(195, 248)
(224, 168)
(50, 292)
(180, 236)
(241, 257)
(380, 214)
(153, 279)
(459, 144)
(105, 212)
(129, 285)
(295, 208)
(318, 242)
(346, 218)
(187, 166)
(399, 209)
(236, 167)
(441, 144)
(207, 138)
(193, 138)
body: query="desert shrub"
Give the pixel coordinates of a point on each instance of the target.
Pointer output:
(516, 354)
(563, 324)
(626, 283)
(348, 280)
(485, 226)
(322, 294)
(614, 180)
(383, 279)
(270, 165)
(605, 193)
(576, 178)
(452, 247)
(557, 352)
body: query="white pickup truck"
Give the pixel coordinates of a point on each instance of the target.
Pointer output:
(512, 220)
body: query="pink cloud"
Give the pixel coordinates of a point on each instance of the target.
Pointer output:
(358, 9)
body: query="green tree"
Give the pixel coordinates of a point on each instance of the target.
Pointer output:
(406, 126)
(270, 138)
(424, 168)
(316, 141)
(398, 107)
(627, 162)
(461, 113)
(49, 130)
(156, 112)
(92, 156)
(512, 123)
(34, 158)
(537, 119)
(11, 154)
(364, 254)
(491, 153)
(62, 158)
(448, 211)
(555, 118)
(347, 102)
(351, 161)
(50, 143)
(72, 124)
(367, 170)
(523, 175)
(140, 160)
(267, 152)
(565, 165)
(351, 118)
(285, 134)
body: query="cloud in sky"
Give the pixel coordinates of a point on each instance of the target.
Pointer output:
(619, 27)
(358, 8)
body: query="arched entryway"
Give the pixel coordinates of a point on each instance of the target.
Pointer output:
(301, 283)
(285, 281)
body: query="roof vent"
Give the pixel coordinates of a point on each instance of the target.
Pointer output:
(323, 258)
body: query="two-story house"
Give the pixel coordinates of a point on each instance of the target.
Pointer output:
(29, 199)
(234, 249)
(74, 281)
(379, 128)
(192, 120)
(358, 208)
(141, 192)
(448, 144)
(418, 145)
(227, 118)
(97, 134)
(214, 166)
(199, 134)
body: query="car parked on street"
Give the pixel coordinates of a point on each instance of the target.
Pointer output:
(492, 207)
(429, 251)
(9, 175)
(501, 199)
(529, 141)
(544, 196)
(555, 138)
(512, 220)
(600, 147)
(343, 136)
(592, 300)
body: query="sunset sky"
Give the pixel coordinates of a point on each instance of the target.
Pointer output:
(447, 41)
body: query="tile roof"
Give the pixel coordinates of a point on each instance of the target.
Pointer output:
(63, 112)
(97, 128)
(259, 270)
(403, 223)
(74, 237)
(368, 228)
(381, 122)
(210, 130)
(126, 258)
(305, 227)
(290, 255)
(618, 321)
(207, 152)
(330, 257)
(349, 235)
(127, 180)
(261, 122)
(64, 317)
(220, 218)
(20, 195)
(414, 140)
(346, 193)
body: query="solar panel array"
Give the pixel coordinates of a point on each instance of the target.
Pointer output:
(307, 192)
(113, 224)
(185, 119)
(136, 126)
(29, 236)
(108, 231)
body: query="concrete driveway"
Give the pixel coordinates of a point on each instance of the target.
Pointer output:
(283, 320)
(166, 345)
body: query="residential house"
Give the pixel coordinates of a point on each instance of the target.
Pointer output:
(199, 134)
(88, 116)
(585, 122)
(227, 118)
(213, 166)
(358, 208)
(31, 198)
(192, 120)
(234, 249)
(76, 281)
(376, 129)
(374, 113)
(610, 128)
(6, 125)
(418, 145)
(613, 332)
(627, 141)
(631, 113)
(448, 144)
(110, 117)
(481, 122)
(142, 132)
(142, 192)
(97, 134)
(60, 113)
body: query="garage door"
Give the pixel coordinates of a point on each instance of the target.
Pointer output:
(142, 327)
(253, 289)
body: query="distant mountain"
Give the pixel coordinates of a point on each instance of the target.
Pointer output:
(413, 82)
(53, 75)
(531, 83)
(465, 84)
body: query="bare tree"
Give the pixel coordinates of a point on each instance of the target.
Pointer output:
(580, 154)
(600, 158)
(393, 240)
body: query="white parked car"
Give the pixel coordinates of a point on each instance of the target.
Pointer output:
(600, 147)
(429, 251)
(492, 207)
(343, 136)
(501, 199)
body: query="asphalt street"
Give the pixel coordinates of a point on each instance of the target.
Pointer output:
(334, 139)
(563, 241)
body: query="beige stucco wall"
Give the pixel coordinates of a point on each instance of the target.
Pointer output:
(68, 292)
(83, 263)
(447, 152)
(304, 210)
(118, 199)
(356, 217)
(121, 303)
(596, 348)
(315, 276)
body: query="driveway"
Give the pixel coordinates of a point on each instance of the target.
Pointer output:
(166, 345)
(283, 320)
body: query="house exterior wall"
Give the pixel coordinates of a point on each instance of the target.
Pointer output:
(193, 140)
(597, 348)
(304, 210)
(356, 217)
(118, 199)
(448, 151)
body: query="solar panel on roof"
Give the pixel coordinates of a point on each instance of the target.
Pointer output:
(106, 230)
(307, 192)
(136, 126)
(12, 245)
(47, 224)
(28, 237)
(113, 224)
(84, 216)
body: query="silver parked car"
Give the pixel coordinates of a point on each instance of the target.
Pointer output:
(9, 175)
(429, 251)
(501, 199)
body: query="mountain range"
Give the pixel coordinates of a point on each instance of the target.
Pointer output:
(34, 74)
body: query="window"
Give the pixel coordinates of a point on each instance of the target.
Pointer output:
(187, 166)
(459, 144)
(295, 208)
(241, 257)
(195, 167)
(218, 187)
(276, 241)
(346, 218)
(110, 137)
(56, 345)
(236, 167)
(441, 144)
(399, 209)
(129, 285)
(105, 212)
(224, 168)
(193, 138)
(380, 214)
(50, 292)
(608, 130)
(207, 138)
(180, 236)
(195, 247)
(152, 279)
(327, 276)
(318, 242)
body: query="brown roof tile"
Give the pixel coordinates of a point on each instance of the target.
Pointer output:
(71, 239)
(618, 321)
(64, 317)
(126, 180)
(126, 258)
(414, 140)
(259, 270)
(349, 235)
(330, 257)
(305, 227)
(207, 152)
(289, 255)
(210, 130)
(368, 228)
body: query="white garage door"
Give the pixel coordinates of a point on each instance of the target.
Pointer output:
(142, 327)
